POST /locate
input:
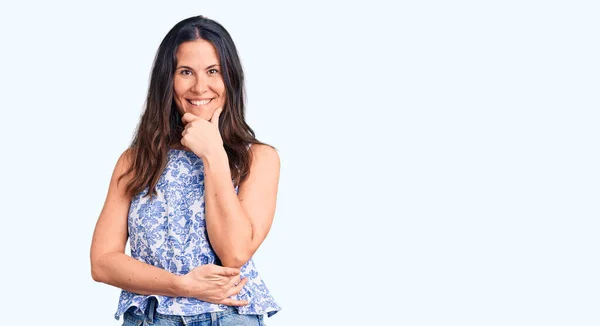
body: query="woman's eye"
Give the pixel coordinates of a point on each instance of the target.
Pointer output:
(213, 71)
(186, 72)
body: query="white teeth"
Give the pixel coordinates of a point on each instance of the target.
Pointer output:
(198, 103)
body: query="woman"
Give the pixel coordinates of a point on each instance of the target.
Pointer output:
(194, 172)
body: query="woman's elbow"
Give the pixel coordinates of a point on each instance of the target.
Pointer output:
(97, 269)
(234, 260)
(96, 274)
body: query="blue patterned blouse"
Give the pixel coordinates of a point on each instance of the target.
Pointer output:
(169, 232)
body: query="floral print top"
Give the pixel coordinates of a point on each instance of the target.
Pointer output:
(169, 231)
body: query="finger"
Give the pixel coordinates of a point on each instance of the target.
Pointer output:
(236, 289)
(183, 136)
(227, 271)
(186, 129)
(232, 302)
(188, 117)
(215, 118)
(233, 281)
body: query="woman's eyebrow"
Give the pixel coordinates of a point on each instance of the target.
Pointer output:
(190, 68)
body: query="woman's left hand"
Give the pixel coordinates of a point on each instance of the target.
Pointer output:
(202, 136)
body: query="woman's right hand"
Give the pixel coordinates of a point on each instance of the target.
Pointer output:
(215, 284)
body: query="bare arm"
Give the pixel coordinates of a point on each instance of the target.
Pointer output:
(112, 266)
(238, 224)
(108, 260)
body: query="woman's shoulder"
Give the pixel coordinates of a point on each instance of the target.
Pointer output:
(262, 149)
(264, 154)
(124, 162)
(126, 158)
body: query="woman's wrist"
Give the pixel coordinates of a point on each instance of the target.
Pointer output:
(179, 287)
(217, 158)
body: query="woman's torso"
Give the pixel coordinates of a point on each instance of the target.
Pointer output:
(169, 231)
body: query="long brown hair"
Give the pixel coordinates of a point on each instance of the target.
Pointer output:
(161, 125)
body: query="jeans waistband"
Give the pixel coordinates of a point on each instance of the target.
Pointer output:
(151, 313)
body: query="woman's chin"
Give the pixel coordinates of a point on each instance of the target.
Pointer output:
(201, 113)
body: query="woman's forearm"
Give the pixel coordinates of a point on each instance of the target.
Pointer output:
(125, 272)
(228, 227)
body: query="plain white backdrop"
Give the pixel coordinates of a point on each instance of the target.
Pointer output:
(440, 160)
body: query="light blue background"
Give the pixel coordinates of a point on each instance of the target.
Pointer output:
(440, 160)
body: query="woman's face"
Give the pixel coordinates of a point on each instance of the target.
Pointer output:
(198, 83)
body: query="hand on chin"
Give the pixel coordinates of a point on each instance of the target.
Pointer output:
(205, 114)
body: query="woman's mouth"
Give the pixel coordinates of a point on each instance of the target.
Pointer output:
(199, 102)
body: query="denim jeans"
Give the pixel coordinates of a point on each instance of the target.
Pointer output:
(229, 317)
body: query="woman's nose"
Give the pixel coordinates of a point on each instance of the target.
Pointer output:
(200, 86)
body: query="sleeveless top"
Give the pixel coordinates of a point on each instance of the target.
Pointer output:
(169, 231)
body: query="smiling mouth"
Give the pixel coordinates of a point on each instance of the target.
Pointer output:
(199, 103)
